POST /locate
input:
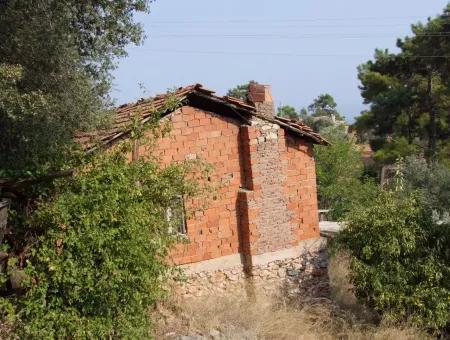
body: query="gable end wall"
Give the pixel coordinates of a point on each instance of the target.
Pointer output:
(267, 196)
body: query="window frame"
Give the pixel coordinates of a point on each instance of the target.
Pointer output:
(180, 229)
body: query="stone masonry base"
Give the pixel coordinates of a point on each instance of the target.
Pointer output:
(299, 271)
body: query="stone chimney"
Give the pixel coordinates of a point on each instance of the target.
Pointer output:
(261, 96)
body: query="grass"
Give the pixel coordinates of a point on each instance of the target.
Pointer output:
(235, 316)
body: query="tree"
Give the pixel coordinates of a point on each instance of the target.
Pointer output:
(324, 105)
(55, 64)
(409, 92)
(340, 173)
(288, 112)
(240, 91)
(395, 149)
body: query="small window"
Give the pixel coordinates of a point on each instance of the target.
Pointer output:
(176, 217)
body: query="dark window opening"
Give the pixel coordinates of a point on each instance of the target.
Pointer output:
(176, 216)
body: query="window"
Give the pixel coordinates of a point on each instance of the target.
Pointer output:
(176, 216)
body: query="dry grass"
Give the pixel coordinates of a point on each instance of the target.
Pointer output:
(235, 316)
(341, 289)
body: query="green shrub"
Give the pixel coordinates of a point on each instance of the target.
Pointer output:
(100, 261)
(346, 194)
(399, 259)
(432, 180)
(340, 174)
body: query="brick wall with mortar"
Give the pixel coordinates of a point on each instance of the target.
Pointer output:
(300, 187)
(197, 134)
(267, 199)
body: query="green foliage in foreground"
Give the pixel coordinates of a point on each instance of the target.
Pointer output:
(400, 261)
(100, 260)
(340, 170)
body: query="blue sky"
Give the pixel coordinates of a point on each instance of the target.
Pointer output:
(302, 48)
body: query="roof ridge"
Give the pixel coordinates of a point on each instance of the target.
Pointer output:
(89, 140)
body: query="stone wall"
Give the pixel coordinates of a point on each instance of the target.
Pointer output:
(279, 200)
(299, 271)
(272, 218)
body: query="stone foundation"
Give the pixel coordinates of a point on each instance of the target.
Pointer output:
(297, 271)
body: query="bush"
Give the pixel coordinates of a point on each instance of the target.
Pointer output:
(340, 174)
(432, 180)
(101, 260)
(399, 260)
(346, 194)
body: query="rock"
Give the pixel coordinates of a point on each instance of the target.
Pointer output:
(272, 135)
(191, 337)
(303, 276)
(319, 272)
(292, 272)
(17, 279)
(215, 334)
(265, 273)
(323, 263)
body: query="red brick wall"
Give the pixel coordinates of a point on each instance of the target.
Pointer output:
(212, 232)
(269, 191)
(300, 188)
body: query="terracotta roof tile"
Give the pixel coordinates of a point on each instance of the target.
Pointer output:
(303, 128)
(123, 116)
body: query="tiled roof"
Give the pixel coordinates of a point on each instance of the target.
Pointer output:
(122, 119)
(301, 129)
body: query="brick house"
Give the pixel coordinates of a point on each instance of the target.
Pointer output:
(268, 207)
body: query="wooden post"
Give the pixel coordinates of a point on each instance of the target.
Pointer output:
(135, 150)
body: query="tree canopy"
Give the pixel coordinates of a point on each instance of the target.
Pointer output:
(324, 105)
(341, 181)
(409, 91)
(55, 64)
(288, 112)
(319, 115)
(240, 91)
